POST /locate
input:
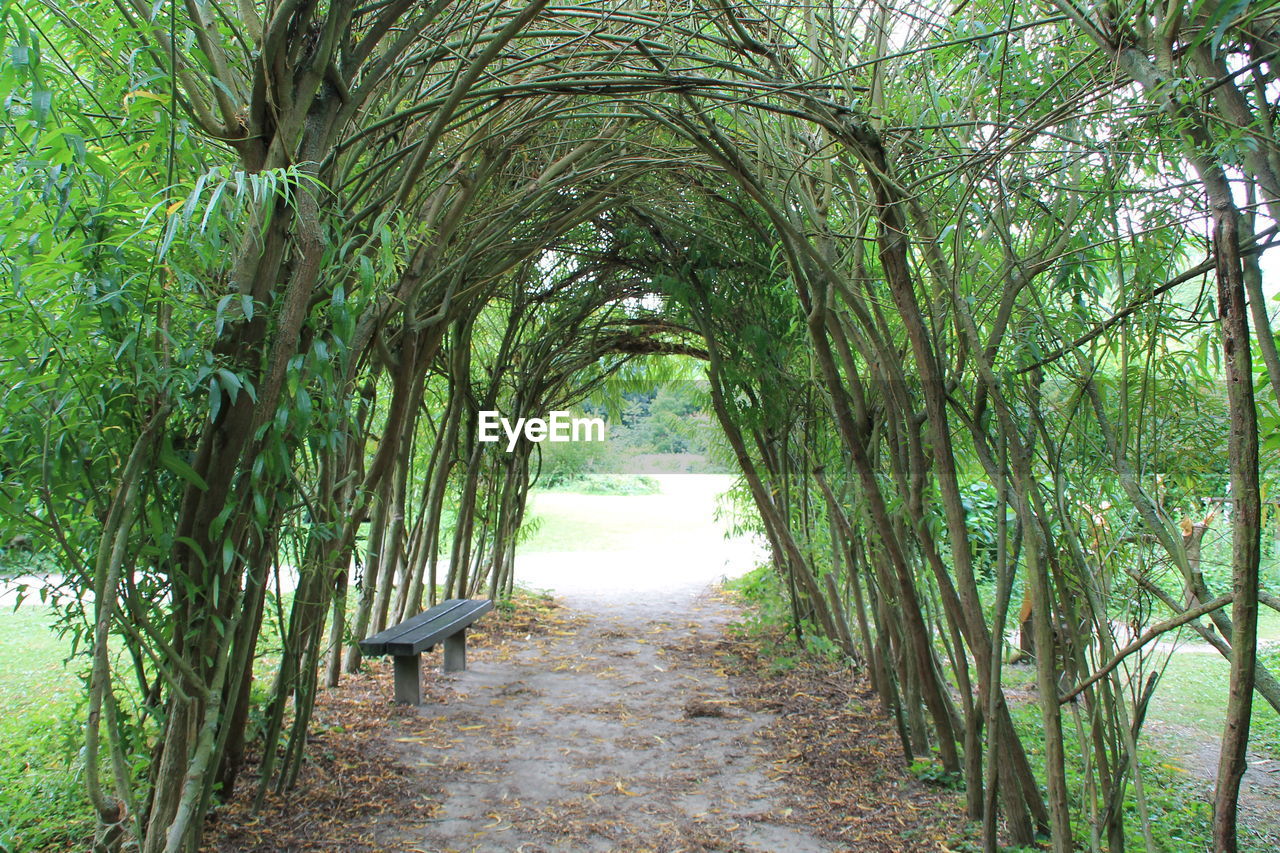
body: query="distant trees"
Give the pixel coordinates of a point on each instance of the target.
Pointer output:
(670, 418)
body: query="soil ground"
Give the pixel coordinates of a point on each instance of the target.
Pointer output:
(622, 730)
(606, 736)
(624, 714)
(648, 724)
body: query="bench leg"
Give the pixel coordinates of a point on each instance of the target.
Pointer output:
(455, 652)
(408, 679)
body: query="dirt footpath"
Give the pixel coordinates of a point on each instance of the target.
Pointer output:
(1259, 818)
(606, 735)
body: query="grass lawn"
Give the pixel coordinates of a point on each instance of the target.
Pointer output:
(34, 682)
(1184, 725)
(1193, 691)
(570, 521)
(42, 804)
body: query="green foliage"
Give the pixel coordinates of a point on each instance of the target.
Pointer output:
(931, 772)
(252, 309)
(766, 597)
(613, 484)
(22, 561)
(768, 621)
(1176, 802)
(42, 805)
(819, 645)
(562, 463)
(673, 419)
(980, 517)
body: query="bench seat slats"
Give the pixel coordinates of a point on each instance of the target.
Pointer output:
(376, 645)
(446, 625)
(427, 629)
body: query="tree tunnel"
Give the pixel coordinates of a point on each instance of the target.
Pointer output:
(951, 274)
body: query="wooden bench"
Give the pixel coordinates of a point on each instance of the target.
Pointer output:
(447, 622)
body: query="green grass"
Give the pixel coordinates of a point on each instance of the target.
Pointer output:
(573, 519)
(1193, 695)
(1186, 711)
(1193, 691)
(43, 805)
(42, 800)
(1180, 816)
(564, 528)
(35, 681)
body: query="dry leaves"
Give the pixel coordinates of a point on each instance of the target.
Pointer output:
(839, 757)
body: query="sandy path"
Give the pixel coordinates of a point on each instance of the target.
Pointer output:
(594, 738)
(585, 744)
